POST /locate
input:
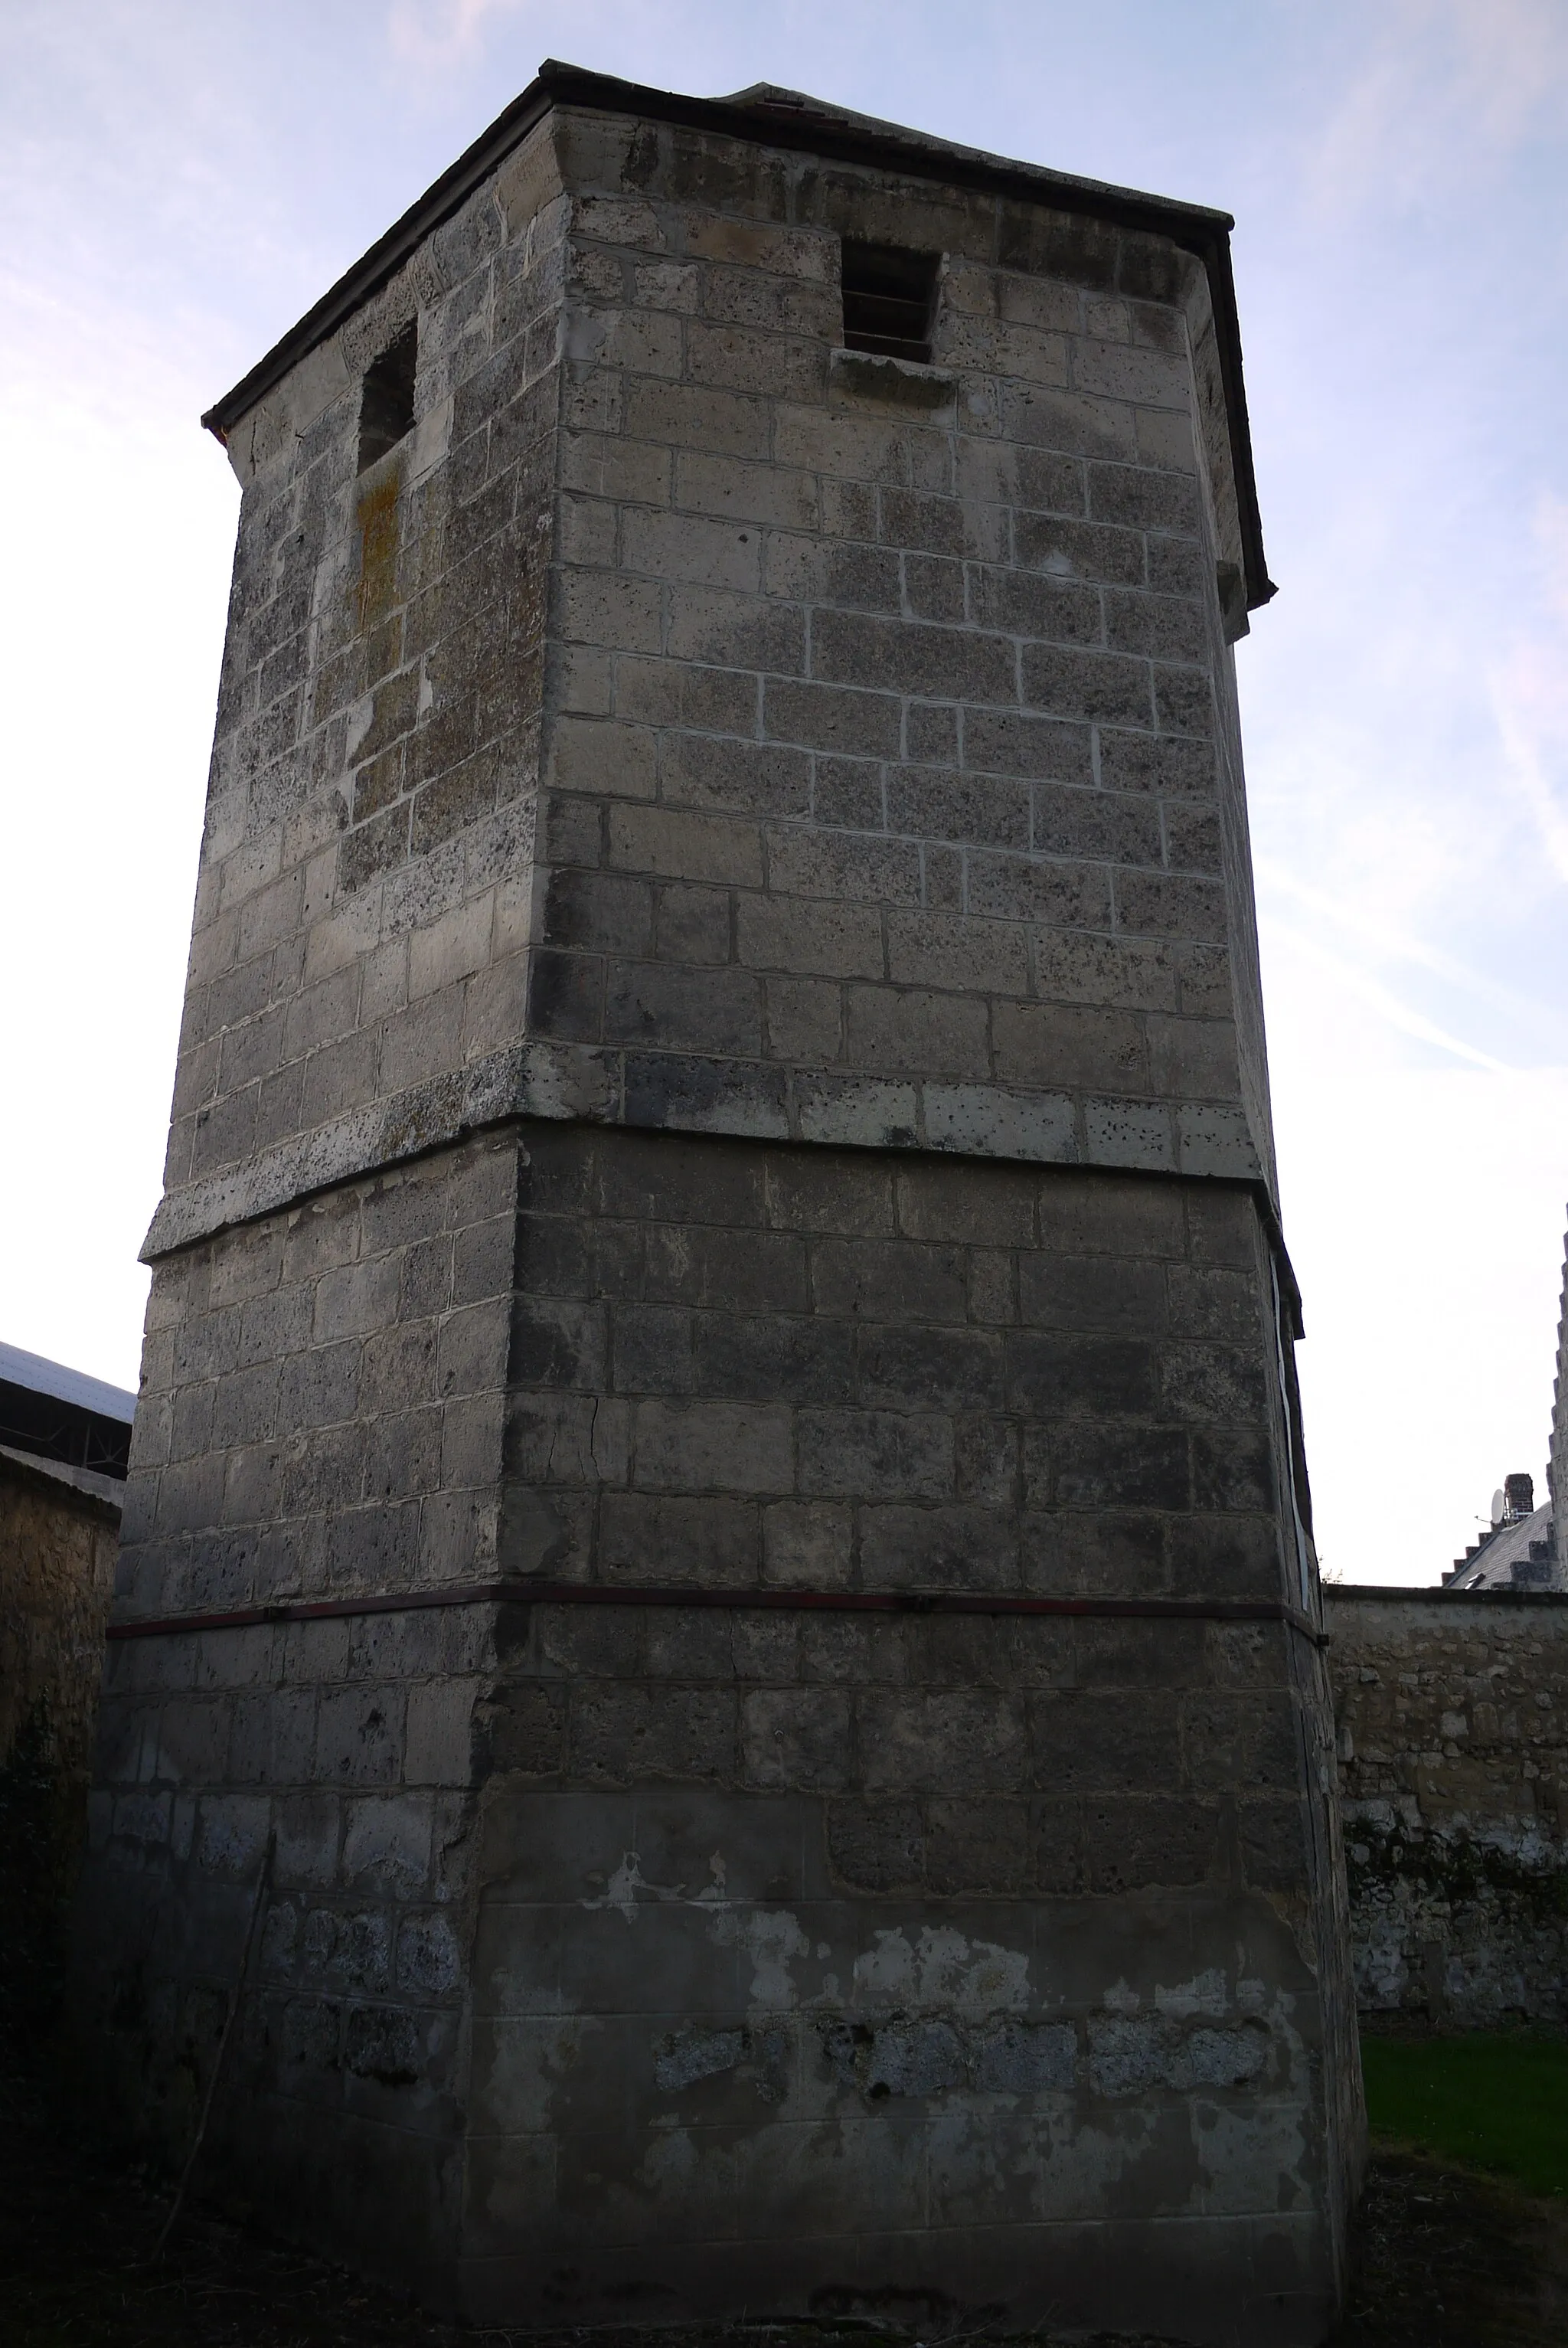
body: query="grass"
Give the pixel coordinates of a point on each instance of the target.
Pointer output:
(1497, 2103)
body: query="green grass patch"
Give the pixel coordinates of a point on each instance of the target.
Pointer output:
(1493, 2103)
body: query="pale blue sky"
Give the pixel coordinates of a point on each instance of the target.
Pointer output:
(181, 181)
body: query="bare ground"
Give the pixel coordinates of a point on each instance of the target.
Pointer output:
(1446, 2260)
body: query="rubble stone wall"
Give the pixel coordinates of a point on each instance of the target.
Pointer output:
(1452, 1724)
(57, 1569)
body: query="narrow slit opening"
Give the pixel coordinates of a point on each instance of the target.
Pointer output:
(386, 405)
(888, 299)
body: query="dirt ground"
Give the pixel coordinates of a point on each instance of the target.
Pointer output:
(1446, 2261)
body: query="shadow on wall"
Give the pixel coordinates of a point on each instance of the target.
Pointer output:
(58, 1537)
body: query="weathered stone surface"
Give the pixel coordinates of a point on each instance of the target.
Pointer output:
(609, 478)
(1452, 1720)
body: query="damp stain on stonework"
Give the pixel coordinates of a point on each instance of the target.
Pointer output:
(376, 519)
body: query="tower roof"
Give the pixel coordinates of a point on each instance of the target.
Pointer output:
(775, 116)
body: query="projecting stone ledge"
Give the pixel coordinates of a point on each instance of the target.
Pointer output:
(684, 1093)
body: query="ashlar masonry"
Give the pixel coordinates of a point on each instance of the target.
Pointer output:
(717, 1636)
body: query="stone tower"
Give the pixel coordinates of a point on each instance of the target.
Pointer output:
(717, 1639)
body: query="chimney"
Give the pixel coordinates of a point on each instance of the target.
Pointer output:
(1520, 1497)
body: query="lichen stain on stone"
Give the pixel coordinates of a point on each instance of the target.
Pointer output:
(942, 1969)
(772, 1939)
(628, 1879)
(1235, 2148)
(687, 2056)
(621, 1889)
(1021, 2058)
(908, 2056)
(1128, 2055)
(1205, 1993)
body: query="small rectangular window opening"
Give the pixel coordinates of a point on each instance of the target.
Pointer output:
(889, 296)
(386, 408)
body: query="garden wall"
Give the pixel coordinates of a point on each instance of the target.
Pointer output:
(1452, 1726)
(58, 1543)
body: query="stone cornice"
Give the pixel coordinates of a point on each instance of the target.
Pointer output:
(684, 1093)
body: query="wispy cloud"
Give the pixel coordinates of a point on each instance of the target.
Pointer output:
(1530, 694)
(1444, 85)
(445, 32)
(1387, 941)
(1358, 981)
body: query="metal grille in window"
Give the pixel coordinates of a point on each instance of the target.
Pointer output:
(888, 299)
(386, 406)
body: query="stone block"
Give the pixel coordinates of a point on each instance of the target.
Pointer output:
(877, 1846)
(799, 1738)
(682, 1009)
(685, 847)
(946, 949)
(889, 1280)
(807, 1544)
(387, 1843)
(875, 1453)
(1060, 1045)
(699, 1446)
(953, 1547)
(1116, 1553)
(624, 1734)
(947, 1741)
(915, 1029)
(524, 1730)
(1128, 1297)
(941, 1368)
(1031, 889)
(1233, 1470)
(738, 777)
(650, 1538)
(605, 608)
(859, 648)
(1132, 1467)
(802, 864)
(1141, 499)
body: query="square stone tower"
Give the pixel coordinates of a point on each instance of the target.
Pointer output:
(717, 1648)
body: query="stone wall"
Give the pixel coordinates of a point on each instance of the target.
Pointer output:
(830, 1961)
(734, 1364)
(675, 1857)
(1453, 1720)
(57, 1563)
(322, 1414)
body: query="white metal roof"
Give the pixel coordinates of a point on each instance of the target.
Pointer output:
(18, 1368)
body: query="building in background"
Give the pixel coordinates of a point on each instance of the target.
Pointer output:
(64, 1444)
(1526, 1546)
(1520, 1550)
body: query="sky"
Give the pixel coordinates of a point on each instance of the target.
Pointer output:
(180, 181)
